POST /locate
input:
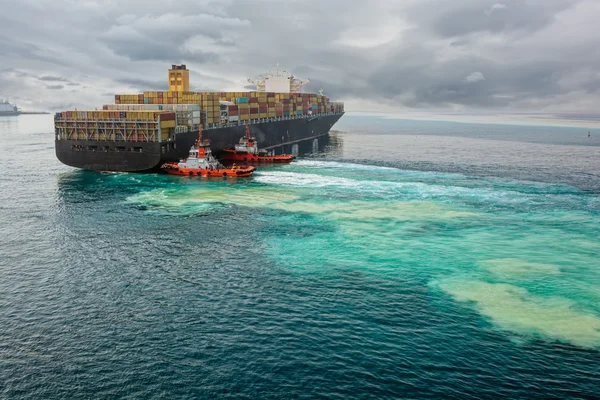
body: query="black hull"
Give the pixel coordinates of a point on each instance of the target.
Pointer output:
(138, 157)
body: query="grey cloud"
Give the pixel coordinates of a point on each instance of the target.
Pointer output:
(53, 79)
(144, 85)
(55, 87)
(468, 16)
(430, 54)
(165, 37)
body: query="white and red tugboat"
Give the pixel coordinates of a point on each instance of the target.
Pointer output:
(247, 151)
(201, 162)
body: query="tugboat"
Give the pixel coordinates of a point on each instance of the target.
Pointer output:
(201, 162)
(247, 151)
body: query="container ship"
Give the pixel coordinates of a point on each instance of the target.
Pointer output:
(140, 132)
(8, 110)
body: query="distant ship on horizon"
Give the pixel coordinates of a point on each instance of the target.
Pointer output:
(7, 109)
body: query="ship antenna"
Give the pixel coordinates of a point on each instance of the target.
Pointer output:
(247, 131)
(199, 133)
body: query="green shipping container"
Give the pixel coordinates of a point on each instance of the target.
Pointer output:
(241, 100)
(298, 112)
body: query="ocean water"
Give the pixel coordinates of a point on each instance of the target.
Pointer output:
(394, 259)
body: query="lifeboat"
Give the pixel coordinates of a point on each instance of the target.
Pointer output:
(201, 162)
(247, 151)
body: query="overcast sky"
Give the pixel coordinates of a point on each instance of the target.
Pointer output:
(441, 55)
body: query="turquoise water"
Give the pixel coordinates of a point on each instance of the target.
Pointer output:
(399, 262)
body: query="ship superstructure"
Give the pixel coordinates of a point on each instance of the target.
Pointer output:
(141, 131)
(8, 109)
(278, 80)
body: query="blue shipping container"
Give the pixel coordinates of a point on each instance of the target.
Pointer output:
(123, 115)
(241, 100)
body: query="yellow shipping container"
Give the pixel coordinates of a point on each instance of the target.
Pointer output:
(167, 124)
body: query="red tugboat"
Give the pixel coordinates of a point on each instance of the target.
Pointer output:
(202, 163)
(247, 151)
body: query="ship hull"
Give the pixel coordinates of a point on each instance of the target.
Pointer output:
(144, 156)
(9, 113)
(244, 156)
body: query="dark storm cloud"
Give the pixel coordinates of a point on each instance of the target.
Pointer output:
(430, 54)
(450, 19)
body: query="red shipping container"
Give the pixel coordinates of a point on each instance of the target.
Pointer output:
(279, 112)
(233, 113)
(167, 117)
(253, 110)
(169, 101)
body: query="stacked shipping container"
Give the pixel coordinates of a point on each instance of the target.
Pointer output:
(246, 105)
